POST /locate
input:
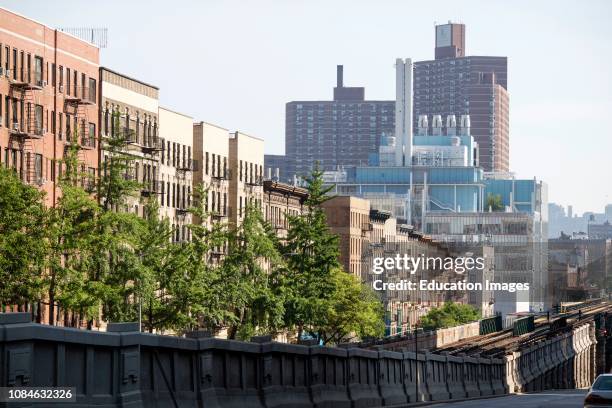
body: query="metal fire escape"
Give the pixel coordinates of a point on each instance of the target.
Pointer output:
(30, 126)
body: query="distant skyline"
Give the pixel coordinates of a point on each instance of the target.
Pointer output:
(236, 64)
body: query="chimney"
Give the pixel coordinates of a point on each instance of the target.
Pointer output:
(423, 125)
(339, 76)
(451, 125)
(465, 125)
(436, 125)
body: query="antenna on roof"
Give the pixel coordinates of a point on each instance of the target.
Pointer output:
(95, 36)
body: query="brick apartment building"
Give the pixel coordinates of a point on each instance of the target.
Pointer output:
(456, 84)
(48, 100)
(342, 132)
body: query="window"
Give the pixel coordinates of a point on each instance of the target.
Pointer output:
(206, 164)
(61, 78)
(68, 130)
(92, 90)
(53, 74)
(61, 125)
(168, 194)
(28, 73)
(38, 119)
(84, 90)
(21, 66)
(174, 195)
(92, 134)
(38, 167)
(163, 150)
(14, 110)
(38, 70)
(67, 80)
(14, 60)
(106, 118)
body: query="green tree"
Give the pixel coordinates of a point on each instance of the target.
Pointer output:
(449, 315)
(164, 284)
(311, 252)
(115, 263)
(494, 202)
(22, 245)
(208, 293)
(352, 311)
(252, 260)
(69, 229)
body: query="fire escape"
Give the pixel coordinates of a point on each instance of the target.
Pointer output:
(76, 104)
(185, 165)
(23, 132)
(150, 145)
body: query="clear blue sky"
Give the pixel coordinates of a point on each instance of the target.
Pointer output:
(236, 63)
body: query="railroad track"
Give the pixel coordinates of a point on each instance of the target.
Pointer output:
(501, 342)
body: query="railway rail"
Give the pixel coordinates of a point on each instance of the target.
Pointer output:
(498, 343)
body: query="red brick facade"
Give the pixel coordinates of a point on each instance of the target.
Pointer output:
(48, 96)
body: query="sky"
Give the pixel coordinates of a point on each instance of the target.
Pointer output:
(237, 63)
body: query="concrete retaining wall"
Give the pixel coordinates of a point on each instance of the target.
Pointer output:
(565, 361)
(127, 368)
(124, 368)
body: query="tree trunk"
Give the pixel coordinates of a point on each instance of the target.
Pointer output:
(51, 307)
(38, 313)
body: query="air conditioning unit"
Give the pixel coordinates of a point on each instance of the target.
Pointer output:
(40, 181)
(16, 126)
(2, 71)
(43, 83)
(7, 72)
(61, 88)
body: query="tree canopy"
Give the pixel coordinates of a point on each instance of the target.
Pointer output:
(449, 315)
(90, 259)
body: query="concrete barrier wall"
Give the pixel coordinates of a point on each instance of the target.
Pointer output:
(565, 361)
(457, 333)
(124, 368)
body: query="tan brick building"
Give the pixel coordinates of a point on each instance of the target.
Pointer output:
(135, 106)
(349, 218)
(280, 200)
(211, 151)
(48, 99)
(246, 159)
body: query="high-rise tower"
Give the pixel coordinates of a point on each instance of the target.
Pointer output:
(456, 84)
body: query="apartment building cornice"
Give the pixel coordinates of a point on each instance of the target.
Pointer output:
(178, 113)
(112, 71)
(48, 26)
(202, 122)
